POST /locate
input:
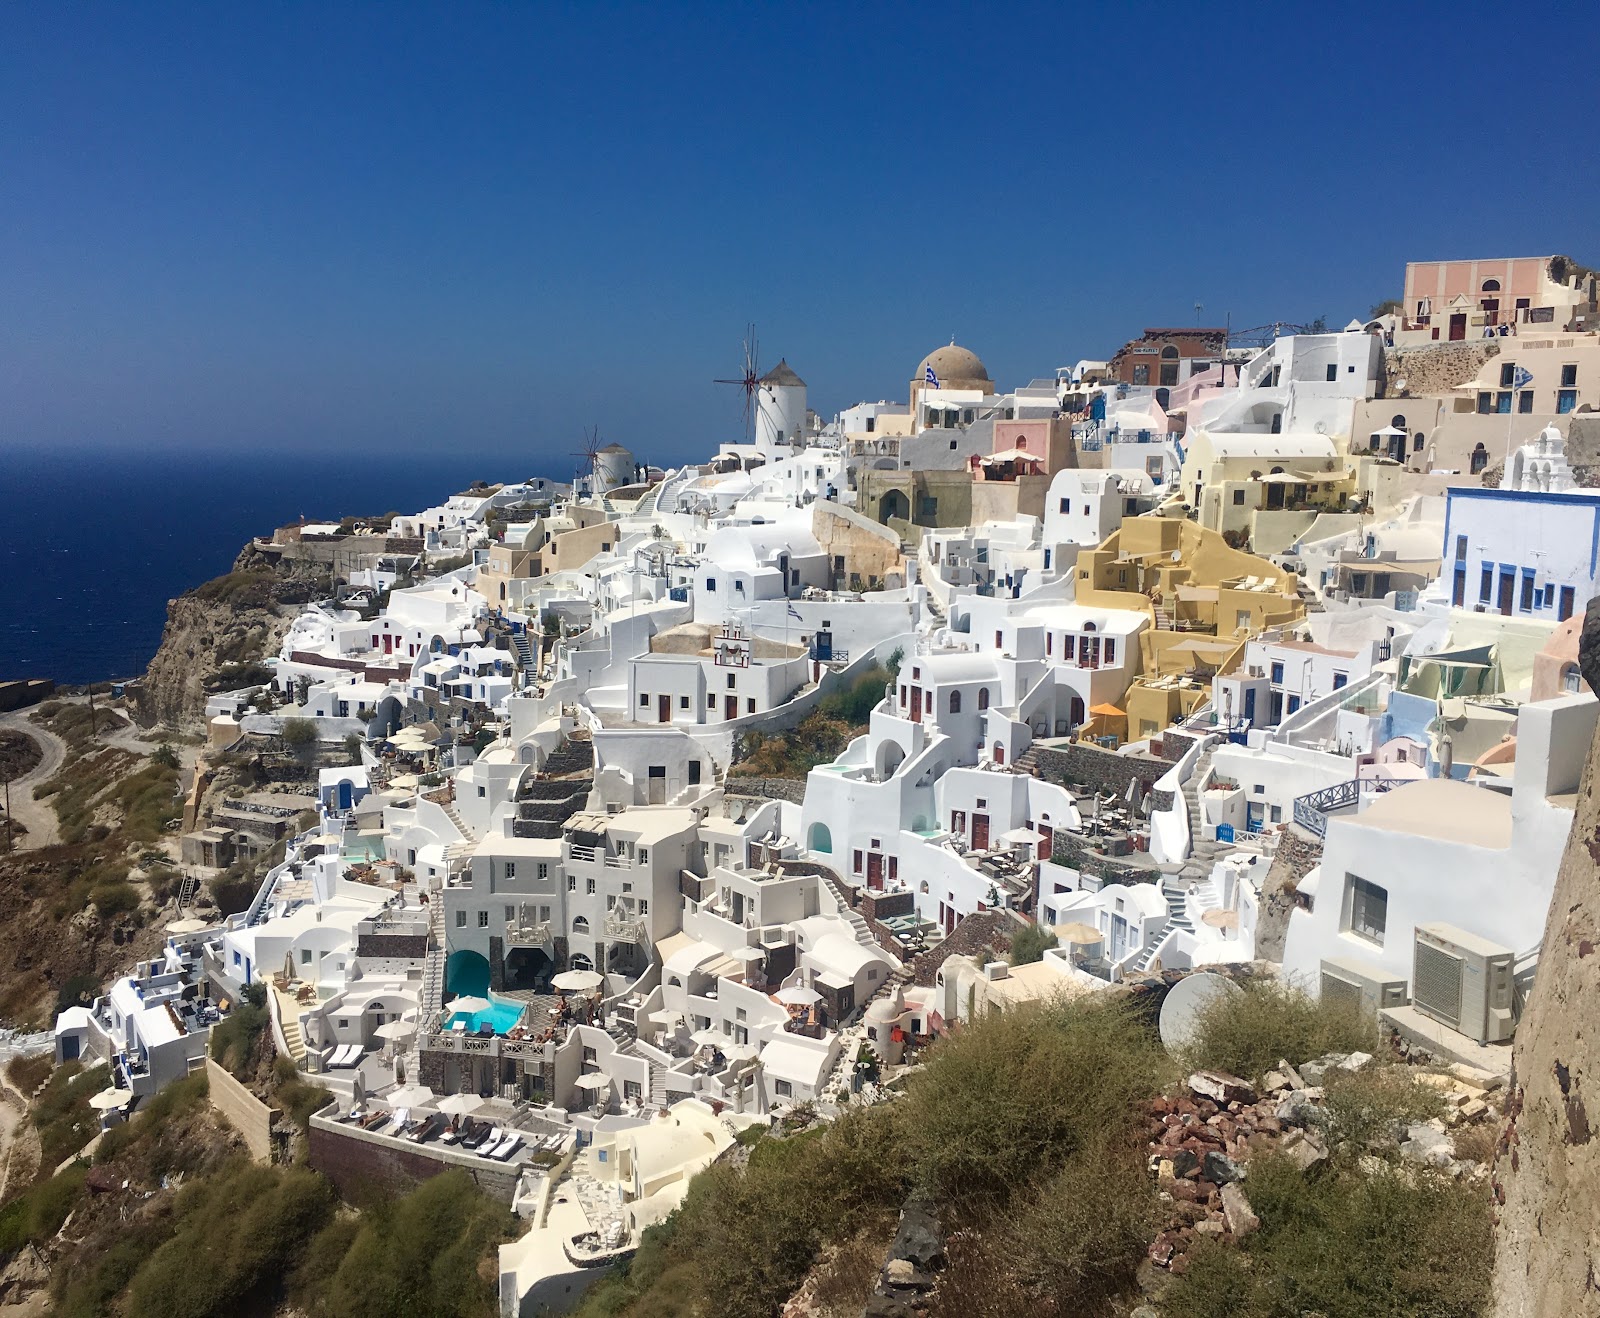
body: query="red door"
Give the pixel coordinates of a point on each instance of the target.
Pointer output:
(999, 753)
(874, 869)
(980, 832)
(916, 704)
(663, 709)
(1458, 326)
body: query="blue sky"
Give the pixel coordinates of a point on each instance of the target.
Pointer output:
(405, 226)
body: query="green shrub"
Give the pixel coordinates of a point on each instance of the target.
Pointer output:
(298, 733)
(1246, 1033)
(1390, 1243)
(235, 888)
(1370, 1104)
(28, 1073)
(298, 1099)
(114, 898)
(234, 1041)
(1030, 944)
(165, 756)
(78, 991)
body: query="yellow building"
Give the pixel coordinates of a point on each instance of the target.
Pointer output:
(1204, 601)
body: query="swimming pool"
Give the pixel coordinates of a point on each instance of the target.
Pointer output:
(500, 1016)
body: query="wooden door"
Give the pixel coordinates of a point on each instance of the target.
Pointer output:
(874, 869)
(1458, 326)
(730, 708)
(916, 704)
(980, 832)
(1508, 586)
(663, 709)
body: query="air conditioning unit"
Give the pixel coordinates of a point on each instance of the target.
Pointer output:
(1463, 981)
(1360, 984)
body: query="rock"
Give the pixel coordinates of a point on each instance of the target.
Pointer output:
(1297, 1109)
(1164, 1171)
(1275, 1082)
(1220, 1087)
(1210, 1227)
(1355, 1061)
(1144, 1311)
(1304, 1150)
(919, 1239)
(1296, 1081)
(1236, 1211)
(1313, 1073)
(1184, 1163)
(1220, 1169)
(906, 1275)
(1426, 1145)
(1473, 1109)
(1475, 1077)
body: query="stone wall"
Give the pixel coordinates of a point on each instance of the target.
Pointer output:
(242, 1110)
(360, 1164)
(1297, 855)
(1071, 850)
(392, 946)
(768, 789)
(1436, 368)
(1103, 770)
(984, 931)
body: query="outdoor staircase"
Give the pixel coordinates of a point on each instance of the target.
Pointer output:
(1028, 762)
(573, 756)
(289, 1019)
(523, 649)
(857, 921)
(187, 891)
(658, 1085)
(455, 818)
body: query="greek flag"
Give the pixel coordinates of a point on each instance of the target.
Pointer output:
(795, 614)
(931, 377)
(1521, 378)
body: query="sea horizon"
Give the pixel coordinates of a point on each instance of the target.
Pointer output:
(98, 537)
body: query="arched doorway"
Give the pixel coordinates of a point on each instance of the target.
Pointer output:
(894, 504)
(466, 974)
(528, 968)
(1075, 713)
(890, 757)
(820, 839)
(577, 961)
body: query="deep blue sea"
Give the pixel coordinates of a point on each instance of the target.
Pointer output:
(94, 542)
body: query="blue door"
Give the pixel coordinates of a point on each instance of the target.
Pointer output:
(1250, 706)
(344, 795)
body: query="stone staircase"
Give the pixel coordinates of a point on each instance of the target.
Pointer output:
(1027, 762)
(289, 1019)
(455, 818)
(573, 756)
(857, 921)
(523, 649)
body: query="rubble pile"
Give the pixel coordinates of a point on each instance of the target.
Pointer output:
(1202, 1139)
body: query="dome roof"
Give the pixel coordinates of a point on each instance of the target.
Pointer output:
(952, 362)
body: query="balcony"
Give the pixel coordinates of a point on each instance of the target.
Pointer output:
(529, 934)
(624, 928)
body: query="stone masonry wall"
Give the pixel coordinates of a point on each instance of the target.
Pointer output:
(768, 789)
(359, 1163)
(392, 946)
(1100, 769)
(1296, 856)
(1437, 368)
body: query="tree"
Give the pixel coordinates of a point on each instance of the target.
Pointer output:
(298, 733)
(352, 747)
(1390, 306)
(1318, 326)
(1030, 944)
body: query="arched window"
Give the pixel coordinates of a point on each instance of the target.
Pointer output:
(580, 925)
(983, 697)
(1491, 285)
(955, 702)
(924, 888)
(1022, 444)
(1169, 353)
(1088, 626)
(1398, 422)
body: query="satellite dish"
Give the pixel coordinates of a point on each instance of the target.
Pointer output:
(1189, 996)
(1177, 555)
(1321, 427)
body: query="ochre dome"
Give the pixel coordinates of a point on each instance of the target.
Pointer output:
(952, 363)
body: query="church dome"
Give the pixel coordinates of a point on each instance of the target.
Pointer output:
(953, 363)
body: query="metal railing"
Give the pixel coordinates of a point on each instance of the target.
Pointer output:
(1311, 811)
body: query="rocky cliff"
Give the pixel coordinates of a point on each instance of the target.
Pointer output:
(1547, 1170)
(217, 634)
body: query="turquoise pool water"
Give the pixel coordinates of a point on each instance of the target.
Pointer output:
(500, 1016)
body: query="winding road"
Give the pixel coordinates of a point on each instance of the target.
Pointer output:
(35, 816)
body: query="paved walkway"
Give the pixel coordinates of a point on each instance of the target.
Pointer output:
(36, 816)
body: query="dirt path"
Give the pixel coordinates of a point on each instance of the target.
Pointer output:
(35, 816)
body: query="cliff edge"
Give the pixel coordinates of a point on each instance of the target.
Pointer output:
(1547, 1166)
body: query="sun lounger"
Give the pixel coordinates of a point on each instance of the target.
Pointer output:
(428, 1128)
(475, 1133)
(513, 1142)
(346, 1055)
(493, 1146)
(402, 1118)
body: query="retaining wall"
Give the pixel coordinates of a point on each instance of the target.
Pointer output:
(242, 1110)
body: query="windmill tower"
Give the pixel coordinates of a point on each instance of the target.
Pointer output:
(583, 480)
(780, 410)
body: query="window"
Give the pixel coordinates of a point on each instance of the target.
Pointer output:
(1491, 285)
(305, 956)
(1502, 403)
(1066, 505)
(952, 446)
(955, 702)
(731, 681)
(983, 697)
(461, 919)
(1571, 679)
(1141, 375)
(1485, 404)
(782, 1089)
(511, 914)
(544, 870)
(683, 702)
(1527, 591)
(1277, 674)
(856, 861)
(511, 869)
(1110, 650)
(1486, 583)
(572, 883)
(711, 584)
(1569, 376)
(588, 886)
(750, 705)
(1461, 546)
(1238, 498)
(1366, 909)
(1508, 373)
(644, 700)
(1333, 372)
(1294, 703)
(483, 919)
(1417, 442)
(694, 773)
(644, 906)
(1340, 679)
(1525, 401)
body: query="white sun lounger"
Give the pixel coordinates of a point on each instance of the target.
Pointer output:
(491, 1146)
(401, 1116)
(346, 1055)
(512, 1143)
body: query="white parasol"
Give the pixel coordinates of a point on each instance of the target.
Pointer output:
(410, 1096)
(468, 1005)
(459, 1105)
(797, 995)
(110, 1100)
(190, 926)
(396, 1030)
(577, 981)
(594, 1080)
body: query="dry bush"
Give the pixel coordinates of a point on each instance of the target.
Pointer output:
(1246, 1033)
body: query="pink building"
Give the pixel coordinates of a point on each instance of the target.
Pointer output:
(1471, 299)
